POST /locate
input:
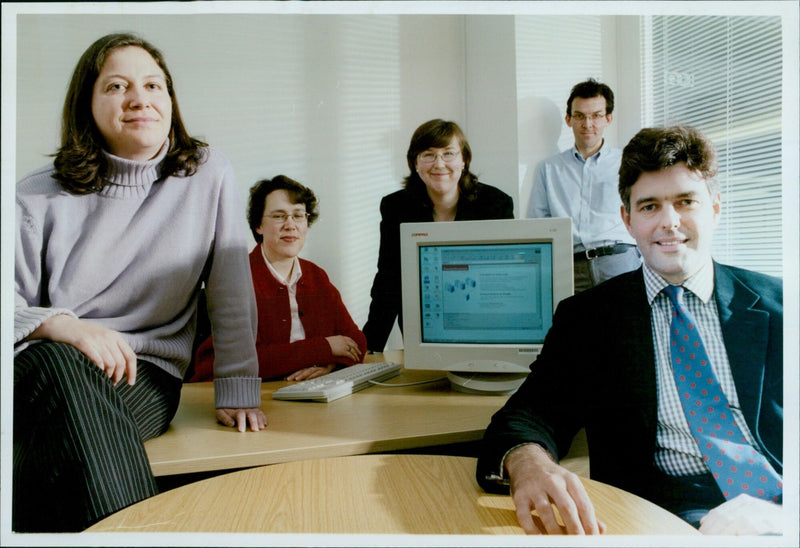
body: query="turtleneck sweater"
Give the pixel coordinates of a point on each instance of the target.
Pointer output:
(132, 258)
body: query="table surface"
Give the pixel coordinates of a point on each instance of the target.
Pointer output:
(367, 494)
(377, 419)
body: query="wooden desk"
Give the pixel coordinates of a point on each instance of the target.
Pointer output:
(371, 494)
(377, 419)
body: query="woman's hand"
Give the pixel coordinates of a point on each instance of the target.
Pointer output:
(105, 347)
(344, 347)
(240, 417)
(312, 372)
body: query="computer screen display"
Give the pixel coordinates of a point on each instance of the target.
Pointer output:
(486, 293)
(479, 296)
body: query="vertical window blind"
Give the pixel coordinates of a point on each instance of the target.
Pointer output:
(722, 75)
(553, 53)
(369, 85)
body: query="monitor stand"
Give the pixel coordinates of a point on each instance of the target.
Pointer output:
(487, 384)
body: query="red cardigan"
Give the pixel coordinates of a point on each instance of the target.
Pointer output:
(321, 310)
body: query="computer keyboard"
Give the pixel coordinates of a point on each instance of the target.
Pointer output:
(339, 383)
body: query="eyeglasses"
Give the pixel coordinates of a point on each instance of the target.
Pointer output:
(429, 157)
(581, 117)
(299, 217)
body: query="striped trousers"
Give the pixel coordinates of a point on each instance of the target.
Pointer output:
(78, 439)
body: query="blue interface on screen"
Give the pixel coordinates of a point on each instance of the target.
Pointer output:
(486, 293)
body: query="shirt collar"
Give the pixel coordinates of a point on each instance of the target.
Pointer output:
(603, 149)
(701, 284)
(296, 272)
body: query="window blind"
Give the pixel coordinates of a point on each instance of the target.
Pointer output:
(553, 53)
(369, 83)
(722, 75)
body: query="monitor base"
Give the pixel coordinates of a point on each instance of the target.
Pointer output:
(487, 384)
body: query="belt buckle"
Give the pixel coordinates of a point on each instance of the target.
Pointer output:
(602, 251)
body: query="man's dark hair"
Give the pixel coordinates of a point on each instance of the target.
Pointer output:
(298, 194)
(588, 89)
(656, 148)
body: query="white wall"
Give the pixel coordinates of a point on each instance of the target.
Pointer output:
(330, 100)
(491, 99)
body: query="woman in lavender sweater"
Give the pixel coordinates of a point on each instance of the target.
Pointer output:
(113, 242)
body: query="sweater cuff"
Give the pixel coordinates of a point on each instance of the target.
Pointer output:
(237, 392)
(27, 320)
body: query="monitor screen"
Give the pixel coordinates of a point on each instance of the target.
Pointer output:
(486, 293)
(479, 296)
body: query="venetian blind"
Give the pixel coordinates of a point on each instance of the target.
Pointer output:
(723, 76)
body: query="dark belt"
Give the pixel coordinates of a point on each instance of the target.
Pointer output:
(604, 251)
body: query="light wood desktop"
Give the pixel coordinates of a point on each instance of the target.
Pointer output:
(378, 419)
(368, 494)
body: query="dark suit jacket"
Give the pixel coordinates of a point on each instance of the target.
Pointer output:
(597, 370)
(405, 206)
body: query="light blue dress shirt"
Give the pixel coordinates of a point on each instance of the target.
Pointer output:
(566, 185)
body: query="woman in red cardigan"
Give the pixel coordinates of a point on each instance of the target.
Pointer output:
(304, 329)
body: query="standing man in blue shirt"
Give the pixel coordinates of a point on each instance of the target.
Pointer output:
(581, 183)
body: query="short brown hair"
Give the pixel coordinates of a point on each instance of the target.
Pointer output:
(656, 148)
(298, 194)
(588, 89)
(438, 133)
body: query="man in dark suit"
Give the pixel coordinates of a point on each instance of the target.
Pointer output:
(607, 366)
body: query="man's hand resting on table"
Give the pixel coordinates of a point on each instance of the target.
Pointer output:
(743, 515)
(240, 417)
(538, 483)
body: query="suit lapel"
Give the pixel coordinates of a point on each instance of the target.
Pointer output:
(745, 332)
(635, 331)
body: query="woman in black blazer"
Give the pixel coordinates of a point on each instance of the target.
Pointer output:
(440, 187)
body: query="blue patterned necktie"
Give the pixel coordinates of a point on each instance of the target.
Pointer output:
(736, 466)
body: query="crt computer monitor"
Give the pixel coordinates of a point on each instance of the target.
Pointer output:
(479, 296)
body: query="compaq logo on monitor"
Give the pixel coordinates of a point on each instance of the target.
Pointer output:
(418, 234)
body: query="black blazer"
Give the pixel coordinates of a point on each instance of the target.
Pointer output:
(405, 206)
(597, 370)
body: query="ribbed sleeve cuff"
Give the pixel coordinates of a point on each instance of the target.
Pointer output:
(237, 392)
(26, 320)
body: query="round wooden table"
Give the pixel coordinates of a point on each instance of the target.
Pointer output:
(367, 494)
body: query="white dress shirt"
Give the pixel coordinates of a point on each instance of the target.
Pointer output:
(298, 332)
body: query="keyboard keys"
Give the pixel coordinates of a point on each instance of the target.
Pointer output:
(339, 383)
